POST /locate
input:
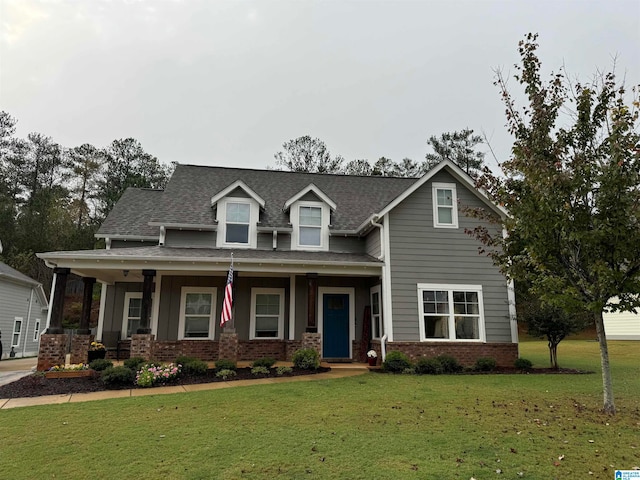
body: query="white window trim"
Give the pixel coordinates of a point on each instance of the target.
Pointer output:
(254, 213)
(324, 226)
(454, 201)
(352, 313)
(125, 312)
(451, 325)
(36, 330)
(13, 332)
(252, 318)
(183, 301)
(376, 289)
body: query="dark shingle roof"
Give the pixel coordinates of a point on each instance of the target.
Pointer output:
(132, 213)
(187, 198)
(204, 254)
(8, 272)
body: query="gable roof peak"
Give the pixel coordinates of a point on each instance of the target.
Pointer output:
(313, 189)
(230, 188)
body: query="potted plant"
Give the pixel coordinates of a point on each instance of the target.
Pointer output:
(96, 350)
(372, 358)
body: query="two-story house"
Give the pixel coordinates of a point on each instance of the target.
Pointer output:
(341, 263)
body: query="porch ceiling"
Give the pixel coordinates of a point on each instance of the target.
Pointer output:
(110, 265)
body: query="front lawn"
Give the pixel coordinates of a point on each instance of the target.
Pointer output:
(373, 426)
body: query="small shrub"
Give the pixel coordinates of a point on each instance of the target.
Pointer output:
(409, 371)
(485, 364)
(100, 364)
(429, 366)
(118, 376)
(225, 373)
(449, 364)
(523, 364)
(193, 366)
(284, 370)
(260, 370)
(396, 362)
(184, 359)
(224, 364)
(266, 362)
(306, 359)
(134, 363)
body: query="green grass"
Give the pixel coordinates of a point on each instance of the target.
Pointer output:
(373, 426)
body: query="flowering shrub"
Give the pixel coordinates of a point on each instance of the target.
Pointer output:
(372, 354)
(151, 374)
(67, 368)
(97, 347)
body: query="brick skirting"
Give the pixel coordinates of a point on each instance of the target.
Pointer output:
(53, 350)
(466, 353)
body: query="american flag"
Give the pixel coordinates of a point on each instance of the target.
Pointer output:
(228, 297)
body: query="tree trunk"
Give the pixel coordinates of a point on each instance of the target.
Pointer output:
(607, 388)
(553, 351)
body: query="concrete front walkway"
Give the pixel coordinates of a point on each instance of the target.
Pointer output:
(337, 371)
(15, 368)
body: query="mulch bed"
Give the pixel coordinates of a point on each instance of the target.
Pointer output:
(36, 384)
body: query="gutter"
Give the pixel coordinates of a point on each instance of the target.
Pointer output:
(383, 348)
(374, 222)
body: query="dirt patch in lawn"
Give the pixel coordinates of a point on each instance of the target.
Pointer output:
(36, 385)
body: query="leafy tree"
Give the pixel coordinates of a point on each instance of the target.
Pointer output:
(552, 323)
(459, 147)
(306, 154)
(573, 196)
(358, 167)
(126, 165)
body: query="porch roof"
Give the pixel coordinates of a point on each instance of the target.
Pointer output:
(107, 265)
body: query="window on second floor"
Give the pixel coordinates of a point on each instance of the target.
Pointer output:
(310, 221)
(445, 205)
(237, 222)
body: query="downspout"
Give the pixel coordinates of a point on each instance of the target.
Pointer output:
(26, 329)
(383, 347)
(374, 222)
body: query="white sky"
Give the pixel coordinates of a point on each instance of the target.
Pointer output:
(228, 82)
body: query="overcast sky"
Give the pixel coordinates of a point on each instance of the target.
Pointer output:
(228, 82)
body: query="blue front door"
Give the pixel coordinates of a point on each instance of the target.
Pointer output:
(335, 329)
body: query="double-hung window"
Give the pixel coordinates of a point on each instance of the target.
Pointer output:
(17, 332)
(445, 205)
(267, 313)
(376, 313)
(132, 313)
(36, 330)
(451, 312)
(310, 224)
(238, 215)
(197, 312)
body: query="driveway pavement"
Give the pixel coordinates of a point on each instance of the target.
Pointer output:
(13, 369)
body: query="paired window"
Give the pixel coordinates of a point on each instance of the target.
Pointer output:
(197, 312)
(450, 312)
(376, 313)
(445, 205)
(17, 332)
(267, 313)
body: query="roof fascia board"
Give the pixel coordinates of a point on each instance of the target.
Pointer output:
(140, 238)
(458, 174)
(237, 184)
(19, 281)
(184, 226)
(310, 188)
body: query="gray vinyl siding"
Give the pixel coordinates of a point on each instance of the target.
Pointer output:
(190, 238)
(421, 253)
(372, 243)
(14, 302)
(265, 241)
(114, 307)
(344, 244)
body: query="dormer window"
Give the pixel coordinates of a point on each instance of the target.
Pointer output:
(238, 212)
(237, 224)
(310, 216)
(310, 224)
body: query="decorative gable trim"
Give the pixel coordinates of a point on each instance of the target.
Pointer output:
(313, 189)
(459, 175)
(237, 184)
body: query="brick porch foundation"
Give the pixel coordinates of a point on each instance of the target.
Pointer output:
(505, 354)
(53, 350)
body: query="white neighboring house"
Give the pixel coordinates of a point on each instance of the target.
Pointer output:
(23, 313)
(622, 325)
